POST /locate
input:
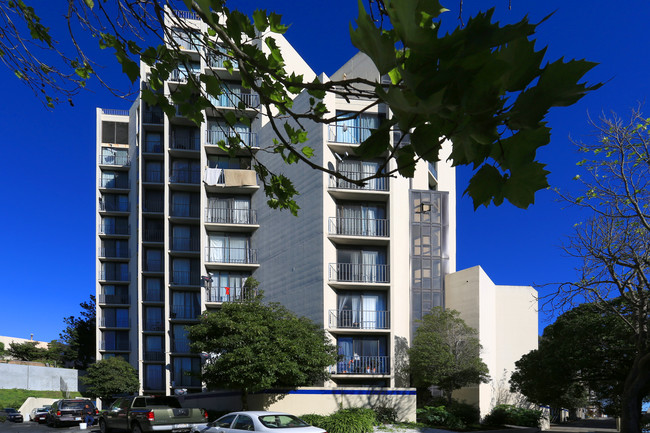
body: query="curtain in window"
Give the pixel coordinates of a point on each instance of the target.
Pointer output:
(181, 204)
(217, 248)
(153, 376)
(369, 168)
(186, 305)
(366, 123)
(152, 287)
(181, 271)
(181, 238)
(346, 354)
(238, 249)
(346, 131)
(241, 211)
(154, 344)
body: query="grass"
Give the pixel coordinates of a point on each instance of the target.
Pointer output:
(16, 397)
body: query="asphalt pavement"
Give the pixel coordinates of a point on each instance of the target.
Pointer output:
(34, 427)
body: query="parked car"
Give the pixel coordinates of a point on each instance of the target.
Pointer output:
(11, 414)
(259, 421)
(39, 414)
(69, 411)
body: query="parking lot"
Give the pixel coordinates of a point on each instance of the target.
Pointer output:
(33, 427)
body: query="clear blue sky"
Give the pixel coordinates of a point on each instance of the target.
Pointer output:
(47, 172)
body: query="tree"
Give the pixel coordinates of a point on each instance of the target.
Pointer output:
(27, 351)
(582, 358)
(110, 376)
(79, 336)
(482, 86)
(613, 244)
(254, 346)
(446, 353)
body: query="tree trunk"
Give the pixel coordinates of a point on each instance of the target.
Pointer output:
(244, 399)
(635, 389)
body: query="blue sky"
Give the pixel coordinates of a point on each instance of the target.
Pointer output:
(47, 172)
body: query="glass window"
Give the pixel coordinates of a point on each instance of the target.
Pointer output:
(244, 422)
(224, 421)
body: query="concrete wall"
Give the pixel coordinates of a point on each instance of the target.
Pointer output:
(38, 378)
(308, 400)
(506, 319)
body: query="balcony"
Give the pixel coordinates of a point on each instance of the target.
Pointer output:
(220, 295)
(153, 147)
(185, 143)
(218, 59)
(124, 346)
(114, 299)
(185, 176)
(114, 323)
(348, 134)
(114, 229)
(376, 184)
(216, 215)
(359, 273)
(114, 276)
(155, 356)
(154, 325)
(184, 211)
(229, 99)
(185, 244)
(152, 176)
(115, 159)
(185, 312)
(185, 278)
(181, 345)
(365, 365)
(153, 266)
(182, 75)
(114, 253)
(153, 117)
(152, 295)
(114, 183)
(214, 137)
(358, 227)
(187, 380)
(153, 235)
(230, 255)
(112, 206)
(359, 319)
(155, 206)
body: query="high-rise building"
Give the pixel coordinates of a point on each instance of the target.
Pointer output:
(364, 261)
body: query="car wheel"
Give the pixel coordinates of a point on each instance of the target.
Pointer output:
(136, 429)
(103, 427)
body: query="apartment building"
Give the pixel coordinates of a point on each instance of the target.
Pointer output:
(181, 225)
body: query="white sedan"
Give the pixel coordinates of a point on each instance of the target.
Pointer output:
(276, 422)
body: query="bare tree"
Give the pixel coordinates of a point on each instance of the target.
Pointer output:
(614, 243)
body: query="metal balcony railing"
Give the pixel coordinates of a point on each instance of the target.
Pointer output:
(230, 99)
(153, 265)
(186, 312)
(185, 143)
(114, 253)
(151, 355)
(359, 273)
(151, 295)
(154, 325)
(114, 299)
(230, 255)
(114, 112)
(181, 345)
(376, 184)
(219, 294)
(348, 134)
(359, 319)
(115, 182)
(185, 244)
(114, 229)
(185, 15)
(217, 60)
(184, 211)
(219, 215)
(114, 276)
(153, 384)
(185, 278)
(153, 117)
(187, 379)
(153, 235)
(182, 75)
(153, 147)
(115, 345)
(107, 158)
(153, 206)
(114, 323)
(153, 176)
(185, 176)
(248, 138)
(362, 365)
(112, 206)
(358, 227)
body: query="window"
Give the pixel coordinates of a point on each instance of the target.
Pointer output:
(115, 271)
(361, 219)
(113, 156)
(153, 260)
(153, 140)
(229, 210)
(353, 127)
(153, 348)
(115, 225)
(359, 355)
(186, 138)
(153, 230)
(185, 272)
(185, 305)
(365, 310)
(115, 340)
(114, 202)
(115, 317)
(152, 289)
(153, 376)
(244, 423)
(226, 162)
(185, 204)
(181, 342)
(115, 248)
(368, 265)
(229, 248)
(356, 170)
(185, 171)
(224, 421)
(220, 131)
(115, 132)
(185, 238)
(153, 317)
(186, 371)
(114, 294)
(153, 171)
(114, 179)
(226, 286)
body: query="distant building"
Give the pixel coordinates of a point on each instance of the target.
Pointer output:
(364, 262)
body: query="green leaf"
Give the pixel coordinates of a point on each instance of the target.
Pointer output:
(371, 40)
(486, 186)
(524, 182)
(90, 3)
(260, 20)
(308, 151)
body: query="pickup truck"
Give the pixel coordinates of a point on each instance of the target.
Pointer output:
(144, 414)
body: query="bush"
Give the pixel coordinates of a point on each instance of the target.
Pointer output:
(313, 419)
(439, 416)
(354, 420)
(385, 415)
(507, 414)
(467, 413)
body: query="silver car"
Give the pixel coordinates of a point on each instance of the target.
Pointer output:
(259, 421)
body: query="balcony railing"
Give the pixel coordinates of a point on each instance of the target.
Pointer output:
(184, 211)
(182, 75)
(154, 384)
(185, 278)
(114, 112)
(185, 143)
(157, 356)
(114, 229)
(108, 158)
(358, 227)
(115, 345)
(187, 379)
(359, 319)
(232, 99)
(153, 176)
(153, 147)
(153, 117)
(115, 182)
(185, 312)
(153, 235)
(185, 15)
(110, 206)
(230, 216)
(153, 295)
(217, 60)
(181, 345)
(185, 176)
(114, 323)
(397, 136)
(153, 206)
(362, 365)
(359, 273)
(114, 299)
(348, 134)
(185, 244)
(215, 136)
(230, 255)
(376, 184)
(154, 325)
(114, 253)
(220, 295)
(153, 266)
(114, 276)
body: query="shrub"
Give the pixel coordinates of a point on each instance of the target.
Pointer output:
(507, 414)
(354, 420)
(385, 414)
(438, 416)
(314, 419)
(467, 413)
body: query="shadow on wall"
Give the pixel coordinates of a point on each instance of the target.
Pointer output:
(402, 377)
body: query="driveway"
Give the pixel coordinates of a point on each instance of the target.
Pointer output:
(605, 425)
(33, 427)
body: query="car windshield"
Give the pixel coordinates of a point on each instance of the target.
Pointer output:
(163, 401)
(41, 409)
(11, 410)
(74, 404)
(282, 421)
